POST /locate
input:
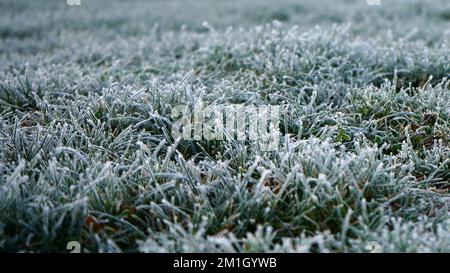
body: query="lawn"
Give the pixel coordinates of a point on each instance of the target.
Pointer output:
(87, 95)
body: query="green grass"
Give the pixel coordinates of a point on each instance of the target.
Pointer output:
(86, 152)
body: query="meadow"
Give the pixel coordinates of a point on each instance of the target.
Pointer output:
(87, 155)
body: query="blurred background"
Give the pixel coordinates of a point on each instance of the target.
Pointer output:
(22, 19)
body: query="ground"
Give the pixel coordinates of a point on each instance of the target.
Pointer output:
(86, 153)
